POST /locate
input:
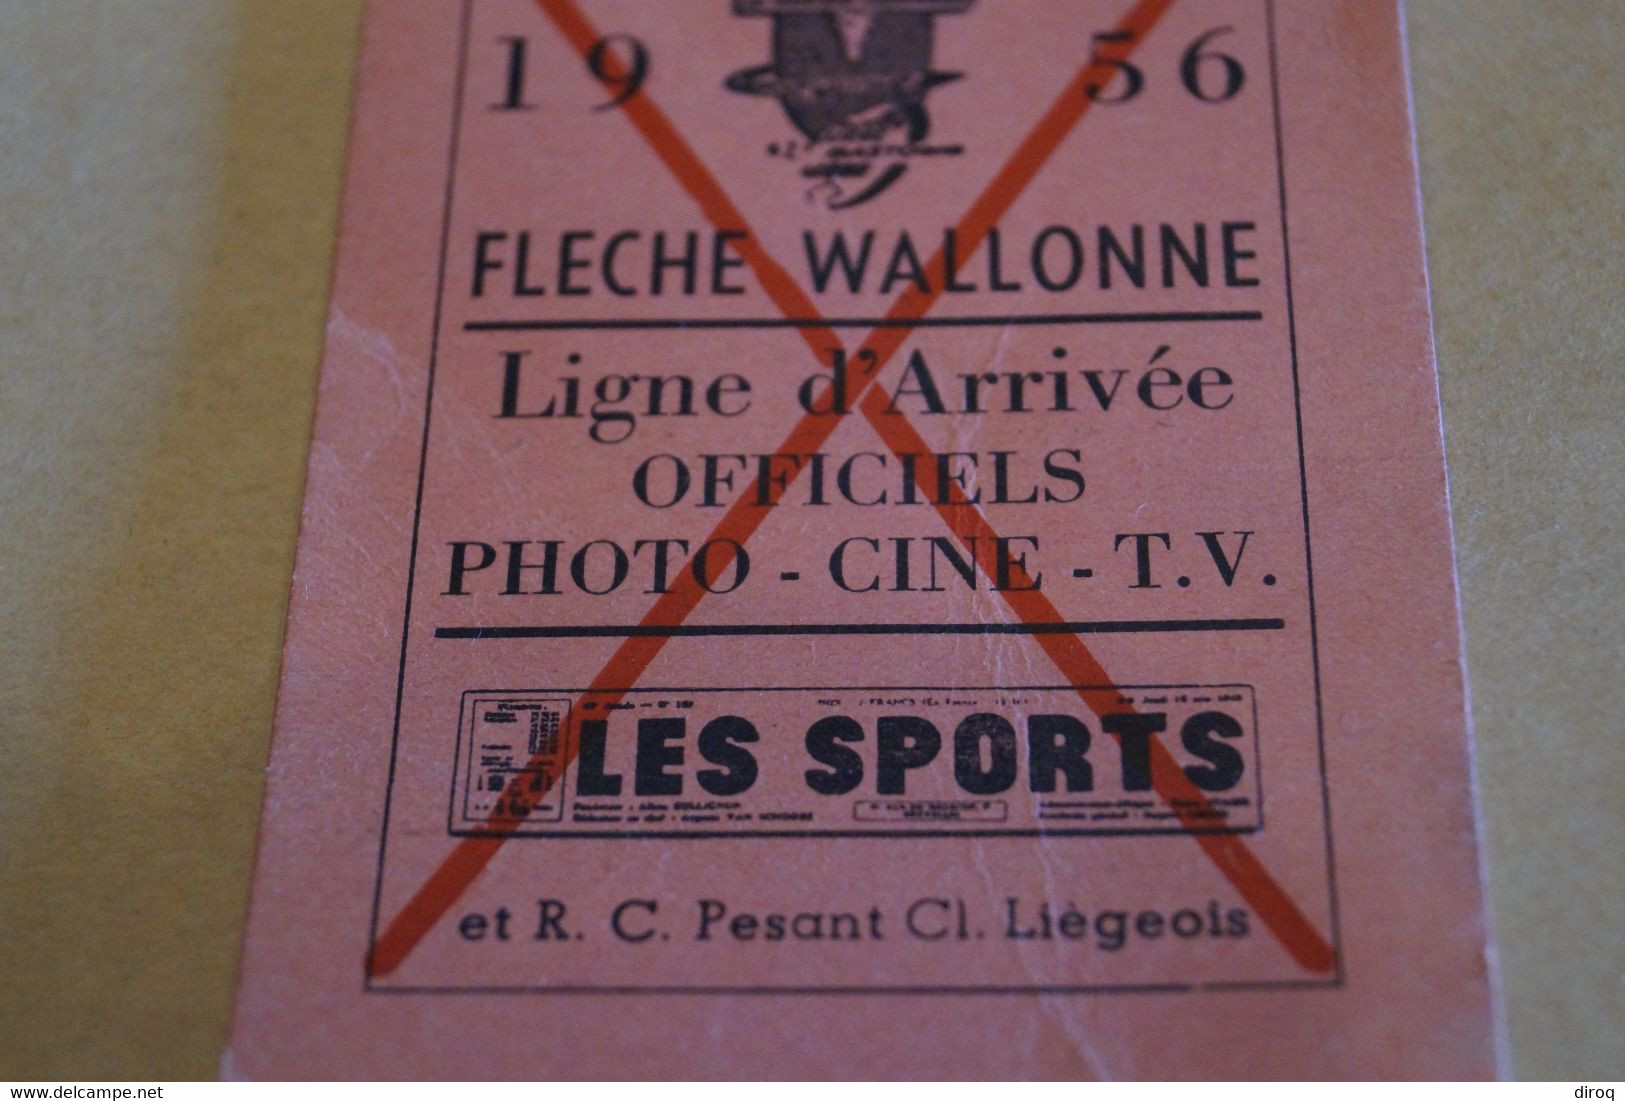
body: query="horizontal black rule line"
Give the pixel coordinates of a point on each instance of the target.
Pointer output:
(989, 321)
(687, 630)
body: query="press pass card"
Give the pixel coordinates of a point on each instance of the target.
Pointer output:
(873, 538)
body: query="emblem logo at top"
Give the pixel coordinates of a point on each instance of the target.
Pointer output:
(852, 75)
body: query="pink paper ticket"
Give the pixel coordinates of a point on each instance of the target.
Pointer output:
(859, 538)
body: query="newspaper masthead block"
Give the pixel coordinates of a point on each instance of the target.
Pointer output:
(873, 539)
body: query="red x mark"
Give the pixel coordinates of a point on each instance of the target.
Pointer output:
(1229, 853)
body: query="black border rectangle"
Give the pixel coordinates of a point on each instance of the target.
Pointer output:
(1339, 975)
(855, 834)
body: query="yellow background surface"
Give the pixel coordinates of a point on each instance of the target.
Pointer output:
(168, 190)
